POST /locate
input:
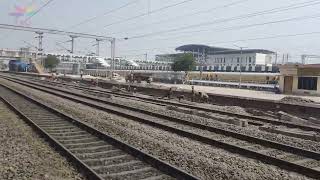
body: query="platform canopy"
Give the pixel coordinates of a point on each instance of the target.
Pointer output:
(201, 48)
(195, 48)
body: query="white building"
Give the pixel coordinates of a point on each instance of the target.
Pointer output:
(11, 54)
(219, 56)
(251, 57)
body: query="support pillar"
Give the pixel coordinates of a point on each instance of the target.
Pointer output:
(40, 48)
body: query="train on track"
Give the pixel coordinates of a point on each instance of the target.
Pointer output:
(18, 66)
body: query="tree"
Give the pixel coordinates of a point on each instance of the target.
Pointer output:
(51, 62)
(184, 62)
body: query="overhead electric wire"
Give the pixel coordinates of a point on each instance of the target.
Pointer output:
(231, 28)
(239, 40)
(148, 13)
(250, 15)
(51, 31)
(270, 37)
(35, 13)
(103, 14)
(189, 14)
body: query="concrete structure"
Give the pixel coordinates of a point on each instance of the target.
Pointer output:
(249, 58)
(14, 54)
(300, 79)
(225, 59)
(219, 56)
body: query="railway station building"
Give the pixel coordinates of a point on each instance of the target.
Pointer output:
(300, 79)
(211, 58)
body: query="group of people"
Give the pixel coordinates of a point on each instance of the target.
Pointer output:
(195, 97)
(199, 96)
(94, 82)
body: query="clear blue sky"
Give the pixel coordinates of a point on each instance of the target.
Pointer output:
(62, 14)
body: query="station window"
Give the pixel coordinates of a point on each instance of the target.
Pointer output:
(250, 59)
(238, 59)
(308, 83)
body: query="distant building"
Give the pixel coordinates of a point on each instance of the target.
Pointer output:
(250, 57)
(218, 56)
(300, 79)
(225, 59)
(12, 54)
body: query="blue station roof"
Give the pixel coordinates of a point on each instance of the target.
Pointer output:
(218, 50)
(199, 47)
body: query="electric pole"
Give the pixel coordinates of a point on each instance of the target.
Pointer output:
(72, 43)
(149, 6)
(98, 47)
(113, 51)
(241, 52)
(40, 49)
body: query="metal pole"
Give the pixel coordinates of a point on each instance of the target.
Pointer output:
(240, 68)
(72, 44)
(241, 52)
(72, 47)
(39, 49)
(98, 47)
(149, 6)
(113, 46)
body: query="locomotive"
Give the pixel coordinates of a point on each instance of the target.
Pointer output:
(18, 66)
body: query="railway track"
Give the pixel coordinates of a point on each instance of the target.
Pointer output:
(252, 120)
(288, 157)
(98, 155)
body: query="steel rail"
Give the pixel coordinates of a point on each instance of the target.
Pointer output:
(256, 119)
(291, 166)
(92, 174)
(264, 142)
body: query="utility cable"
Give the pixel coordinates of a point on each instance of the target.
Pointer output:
(35, 13)
(186, 15)
(103, 14)
(245, 16)
(239, 40)
(232, 28)
(148, 13)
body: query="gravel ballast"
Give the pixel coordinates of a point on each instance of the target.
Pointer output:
(251, 130)
(24, 155)
(202, 160)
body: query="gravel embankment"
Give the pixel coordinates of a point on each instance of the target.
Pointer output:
(202, 160)
(24, 155)
(252, 131)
